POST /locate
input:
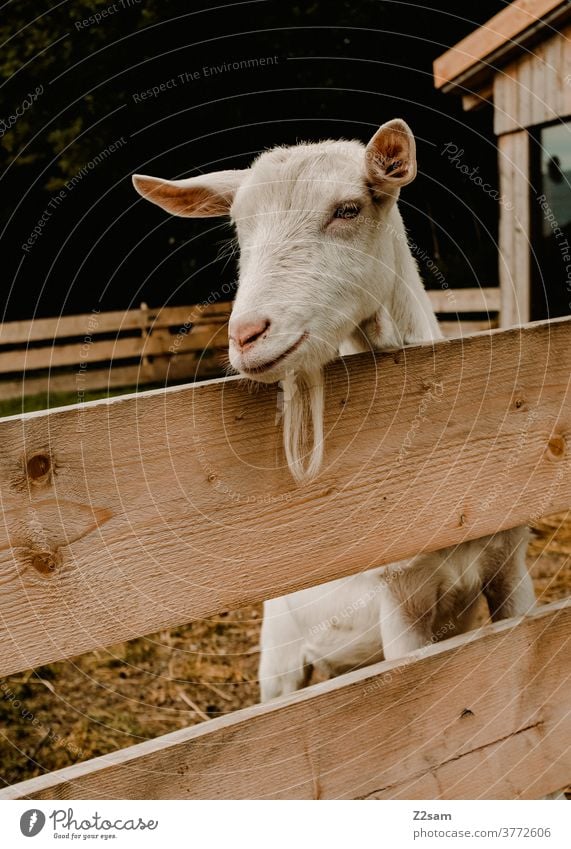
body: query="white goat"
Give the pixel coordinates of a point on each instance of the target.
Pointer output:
(325, 268)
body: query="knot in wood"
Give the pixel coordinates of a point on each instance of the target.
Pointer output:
(38, 467)
(45, 562)
(556, 447)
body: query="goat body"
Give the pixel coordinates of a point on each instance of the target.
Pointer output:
(386, 613)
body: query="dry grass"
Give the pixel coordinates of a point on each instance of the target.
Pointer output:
(133, 691)
(138, 690)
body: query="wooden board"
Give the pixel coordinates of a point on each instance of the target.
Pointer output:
(482, 716)
(164, 354)
(133, 514)
(91, 324)
(465, 300)
(496, 34)
(534, 89)
(453, 329)
(514, 230)
(159, 343)
(195, 365)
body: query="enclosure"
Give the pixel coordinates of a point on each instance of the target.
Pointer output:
(147, 504)
(131, 514)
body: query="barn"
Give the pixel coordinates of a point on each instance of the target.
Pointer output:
(518, 64)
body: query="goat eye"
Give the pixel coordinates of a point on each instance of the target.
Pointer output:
(347, 210)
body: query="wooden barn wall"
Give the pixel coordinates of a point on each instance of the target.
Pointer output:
(536, 88)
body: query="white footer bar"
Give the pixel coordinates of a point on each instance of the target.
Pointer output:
(291, 825)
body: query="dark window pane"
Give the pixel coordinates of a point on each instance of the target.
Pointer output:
(551, 213)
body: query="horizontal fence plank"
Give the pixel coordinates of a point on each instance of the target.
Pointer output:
(159, 343)
(184, 366)
(465, 300)
(485, 715)
(34, 330)
(465, 328)
(90, 324)
(202, 327)
(133, 514)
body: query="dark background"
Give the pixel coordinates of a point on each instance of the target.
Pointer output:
(342, 69)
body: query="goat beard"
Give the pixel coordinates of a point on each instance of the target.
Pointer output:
(303, 409)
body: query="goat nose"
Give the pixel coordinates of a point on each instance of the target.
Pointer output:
(247, 332)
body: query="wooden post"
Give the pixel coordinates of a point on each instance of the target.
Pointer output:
(514, 241)
(145, 334)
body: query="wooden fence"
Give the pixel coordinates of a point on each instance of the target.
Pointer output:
(128, 515)
(77, 353)
(111, 349)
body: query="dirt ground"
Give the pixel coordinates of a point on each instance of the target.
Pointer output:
(65, 712)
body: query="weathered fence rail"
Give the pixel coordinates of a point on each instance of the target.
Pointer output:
(138, 347)
(486, 715)
(142, 512)
(109, 349)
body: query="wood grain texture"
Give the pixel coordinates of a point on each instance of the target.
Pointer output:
(170, 343)
(158, 344)
(454, 329)
(181, 506)
(196, 365)
(506, 26)
(514, 229)
(482, 716)
(535, 88)
(485, 299)
(90, 324)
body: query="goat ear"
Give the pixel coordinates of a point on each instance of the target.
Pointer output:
(391, 157)
(204, 196)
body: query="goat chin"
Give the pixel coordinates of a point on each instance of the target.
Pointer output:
(303, 423)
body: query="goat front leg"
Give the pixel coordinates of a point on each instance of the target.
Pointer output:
(407, 612)
(282, 668)
(508, 586)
